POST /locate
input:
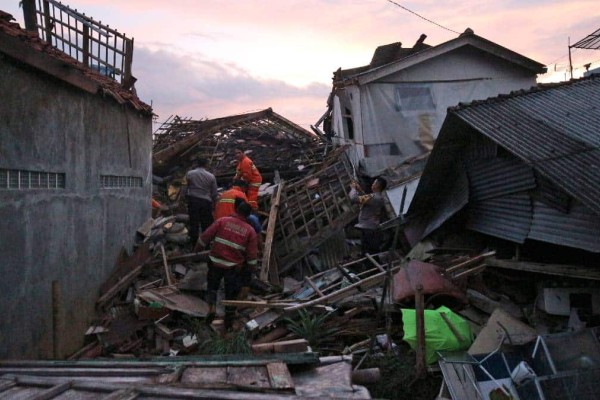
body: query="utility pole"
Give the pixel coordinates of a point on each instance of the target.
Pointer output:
(570, 60)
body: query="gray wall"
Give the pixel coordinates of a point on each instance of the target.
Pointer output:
(71, 235)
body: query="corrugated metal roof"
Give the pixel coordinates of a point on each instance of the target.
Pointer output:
(579, 228)
(508, 217)
(555, 129)
(497, 177)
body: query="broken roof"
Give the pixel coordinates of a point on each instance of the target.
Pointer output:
(26, 47)
(392, 58)
(552, 128)
(275, 143)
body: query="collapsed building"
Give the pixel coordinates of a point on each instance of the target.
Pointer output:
(509, 187)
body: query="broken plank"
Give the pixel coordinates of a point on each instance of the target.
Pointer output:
(331, 297)
(120, 285)
(166, 266)
(191, 257)
(461, 339)
(279, 376)
(313, 286)
(267, 253)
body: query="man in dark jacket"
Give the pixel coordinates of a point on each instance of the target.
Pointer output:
(372, 209)
(201, 196)
(233, 250)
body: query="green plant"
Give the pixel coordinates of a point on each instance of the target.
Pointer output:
(310, 327)
(218, 345)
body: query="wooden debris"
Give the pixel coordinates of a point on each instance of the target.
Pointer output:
(288, 346)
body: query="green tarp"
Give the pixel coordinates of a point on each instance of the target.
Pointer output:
(438, 333)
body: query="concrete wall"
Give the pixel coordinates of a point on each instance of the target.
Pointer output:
(70, 235)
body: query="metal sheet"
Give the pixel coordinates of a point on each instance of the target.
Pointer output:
(498, 177)
(395, 195)
(580, 228)
(553, 128)
(507, 217)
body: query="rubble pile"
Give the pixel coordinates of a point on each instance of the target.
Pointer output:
(314, 292)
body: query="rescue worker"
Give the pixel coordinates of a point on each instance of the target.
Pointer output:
(226, 204)
(254, 221)
(247, 171)
(201, 196)
(372, 209)
(233, 249)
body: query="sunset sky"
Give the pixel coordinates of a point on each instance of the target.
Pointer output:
(209, 58)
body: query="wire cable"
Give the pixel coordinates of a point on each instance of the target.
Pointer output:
(422, 17)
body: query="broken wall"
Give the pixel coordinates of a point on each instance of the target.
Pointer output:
(75, 182)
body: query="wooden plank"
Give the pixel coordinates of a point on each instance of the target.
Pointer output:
(201, 376)
(264, 272)
(470, 262)
(455, 332)
(163, 364)
(191, 257)
(6, 384)
(166, 266)
(313, 286)
(254, 377)
(571, 271)
(286, 346)
(50, 393)
(374, 262)
(121, 285)
(471, 271)
(279, 376)
(331, 297)
(123, 394)
(161, 392)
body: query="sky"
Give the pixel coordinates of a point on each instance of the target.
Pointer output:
(213, 58)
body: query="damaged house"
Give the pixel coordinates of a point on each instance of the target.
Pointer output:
(75, 175)
(519, 173)
(391, 110)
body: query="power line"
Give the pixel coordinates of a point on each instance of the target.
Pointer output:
(422, 17)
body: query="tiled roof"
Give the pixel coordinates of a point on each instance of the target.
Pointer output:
(21, 44)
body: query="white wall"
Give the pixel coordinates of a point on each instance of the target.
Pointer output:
(385, 128)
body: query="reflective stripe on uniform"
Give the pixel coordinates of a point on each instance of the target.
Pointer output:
(252, 262)
(221, 261)
(256, 184)
(227, 201)
(229, 243)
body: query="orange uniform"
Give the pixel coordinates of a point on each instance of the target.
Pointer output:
(225, 205)
(247, 171)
